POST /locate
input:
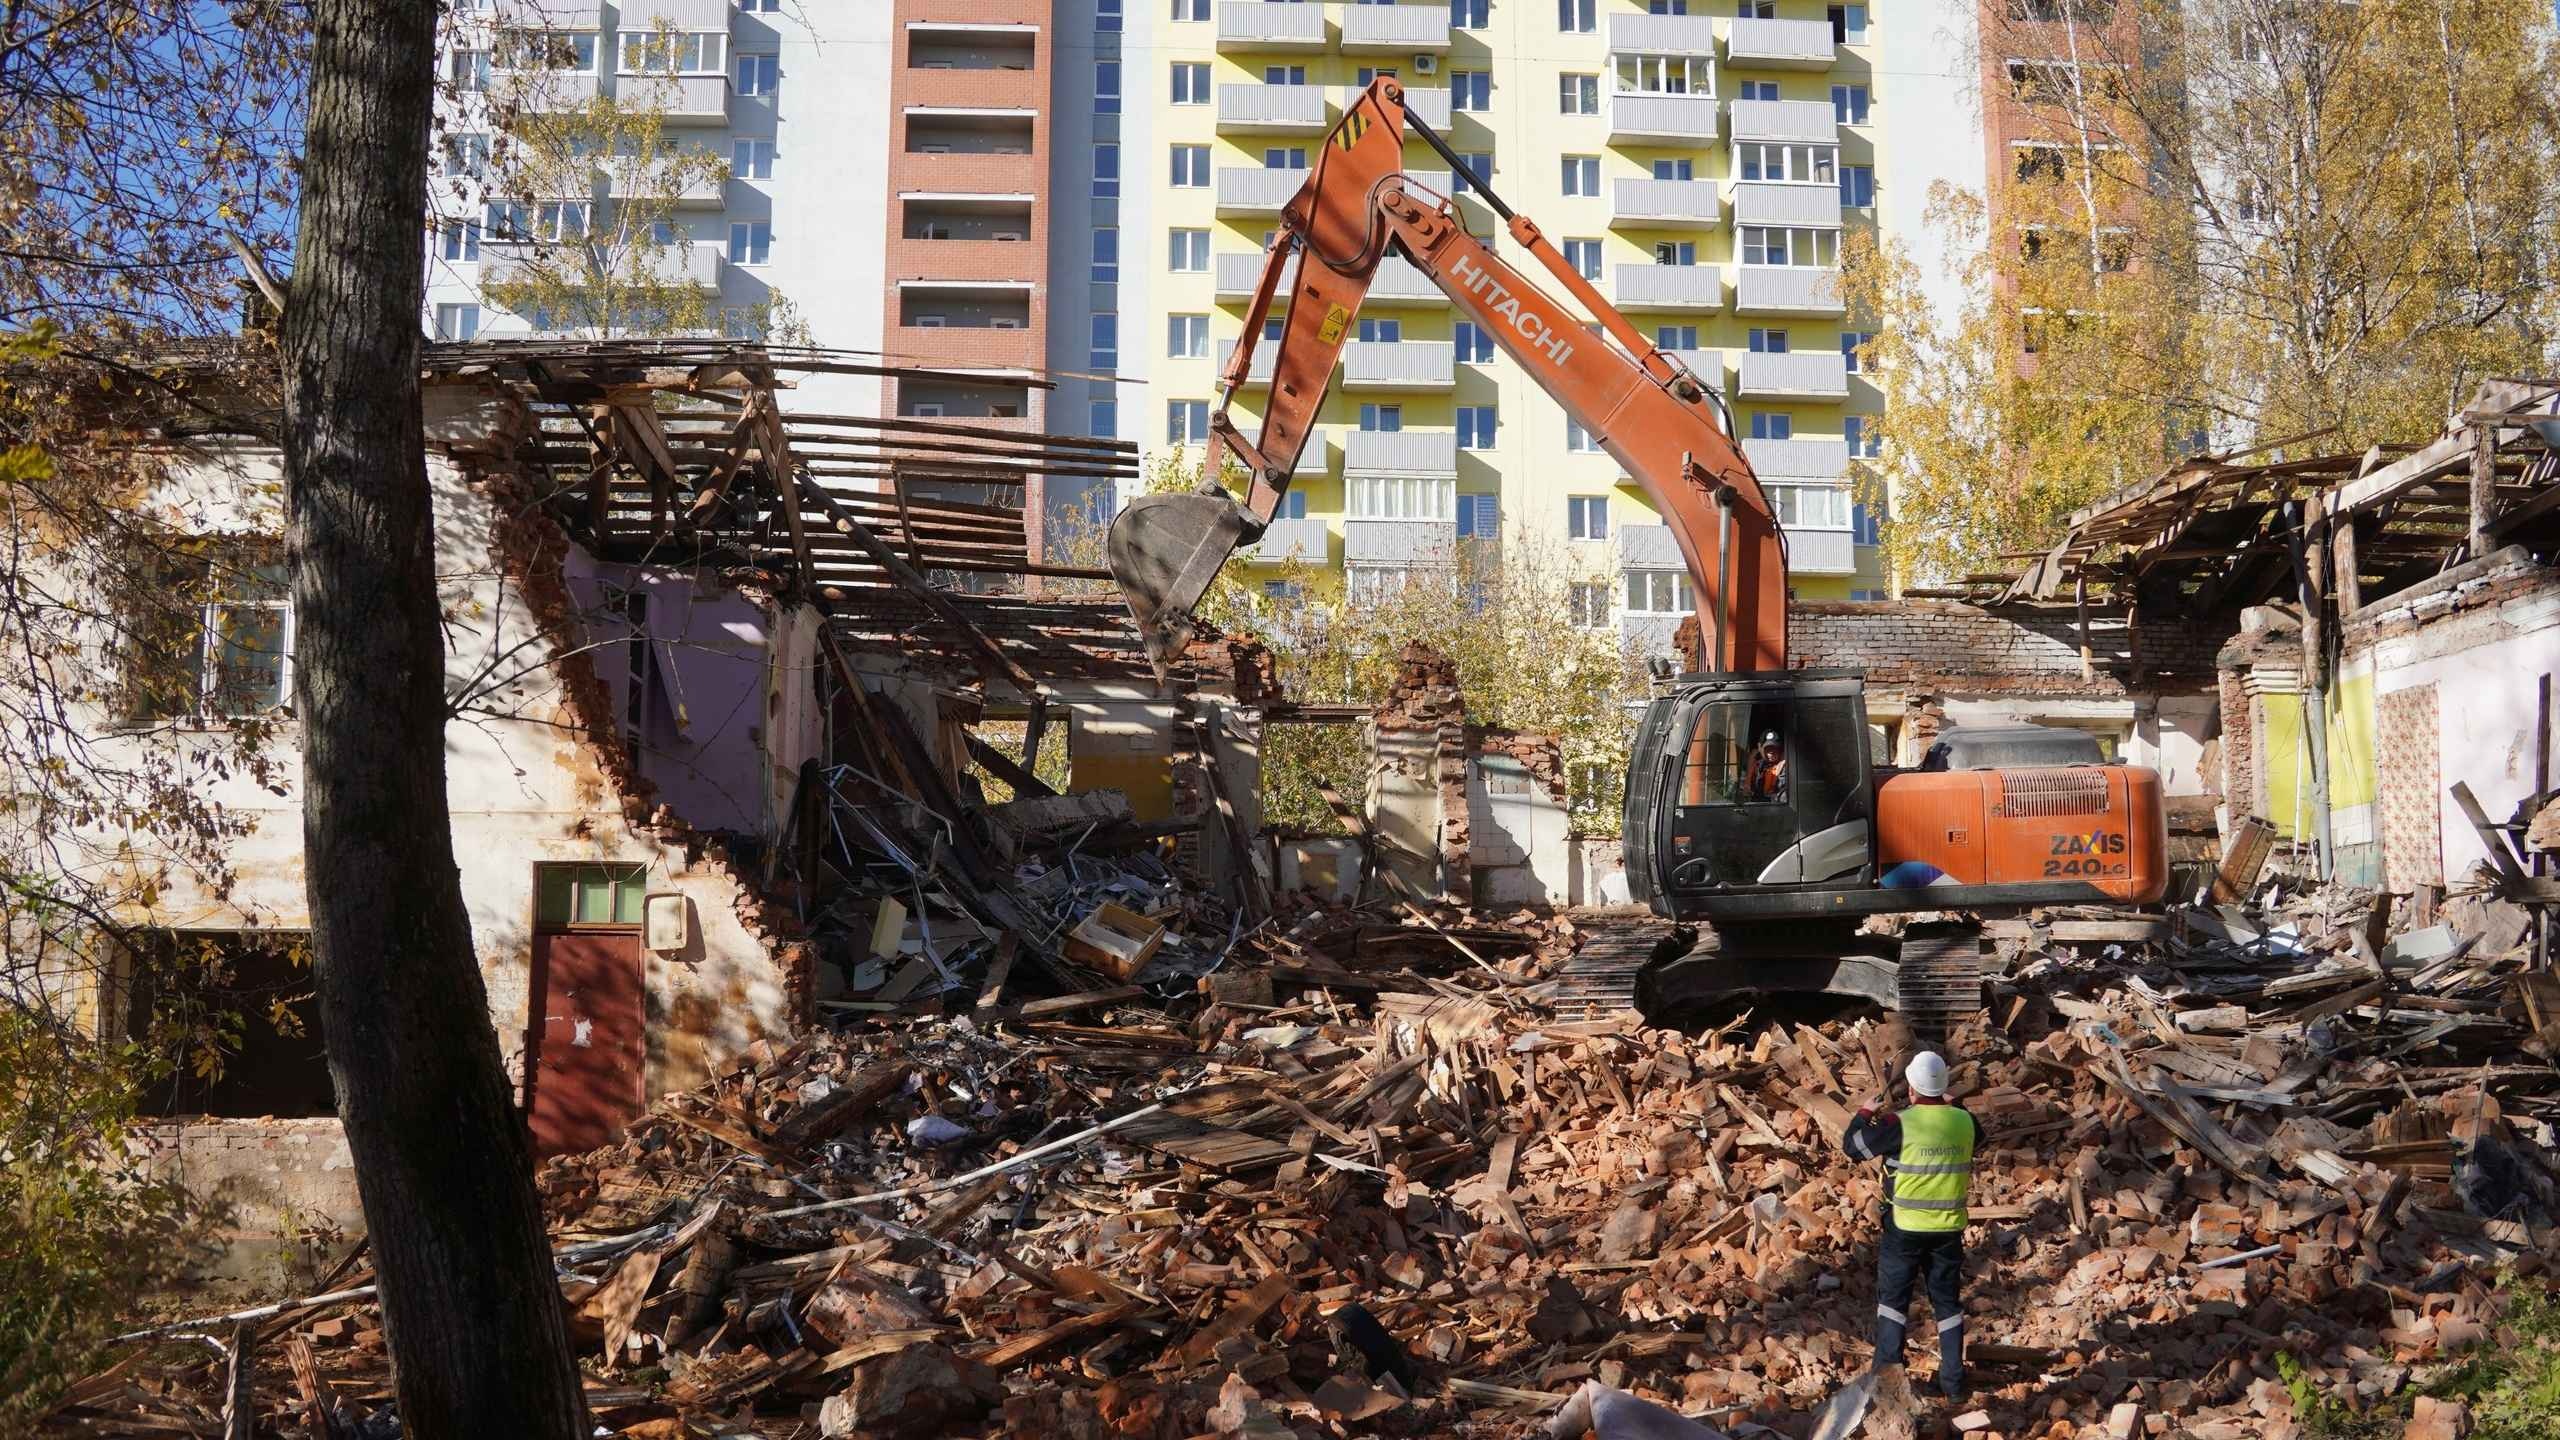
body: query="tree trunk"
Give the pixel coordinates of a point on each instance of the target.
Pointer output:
(442, 1163)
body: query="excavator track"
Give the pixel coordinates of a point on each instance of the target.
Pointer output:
(1629, 963)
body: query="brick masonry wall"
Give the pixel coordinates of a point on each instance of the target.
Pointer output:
(1945, 645)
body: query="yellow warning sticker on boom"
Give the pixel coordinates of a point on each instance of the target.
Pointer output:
(1336, 320)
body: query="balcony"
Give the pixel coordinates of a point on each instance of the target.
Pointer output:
(1777, 460)
(514, 263)
(556, 15)
(1401, 282)
(547, 92)
(1248, 191)
(1263, 25)
(1648, 547)
(676, 14)
(1315, 459)
(1757, 202)
(1258, 377)
(1401, 452)
(1821, 551)
(1707, 365)
(697, 189)
(1304, 541)
(1399, 365)
(1779, 44)
(1238, 274)
(1799, 121)
(1787, 290)
(1665, 204)
(1797, 375)
(1670, 287)
(1662, 35)
(1638, 117)
(1273, 110)
(962, 346)
(681, 99)
(1395, 29)
(1432, 106)
(1399, 542)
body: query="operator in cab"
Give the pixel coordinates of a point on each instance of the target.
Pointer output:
(1928, 1152)
(1766, 775)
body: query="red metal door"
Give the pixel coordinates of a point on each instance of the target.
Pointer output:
(585, 1070)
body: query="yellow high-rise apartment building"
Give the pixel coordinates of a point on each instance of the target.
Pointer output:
(1700, 167)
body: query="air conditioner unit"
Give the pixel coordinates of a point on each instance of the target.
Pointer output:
(1425, 64)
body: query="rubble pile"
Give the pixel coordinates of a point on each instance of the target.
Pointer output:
(1359, 1179)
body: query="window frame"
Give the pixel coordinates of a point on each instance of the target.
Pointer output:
(1586, 518)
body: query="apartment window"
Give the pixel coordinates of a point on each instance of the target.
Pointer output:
(1675, 169)
(1577, 17)
(1848, 24)
(1102, 348)
(1106, 87)
(1578, 94)
(1668, 7)
(666, 232)
(1475, 427)
(1386, 332)
(1675, 337)
(2115, 250)
(1584, 257)
(1849, 104)
(760, 7)
(1284, 74)
(1851, 343)
(673, 52)
(1106, 172)
(1579, 440)
(1768, 342)
(1666, 74)
(1777, 245)
(1479, 517)
(1382, 419)
(560, 220)
(1477, 165)
(1102, 417)
(1186, 422)
(466, 156)
(2043, 82)
(1811, 507)
(1106, 255)
(1188, 252)
(1470, 91)
(750, 241)
(1474, 345)
(1368, 73)
(751, 159)
(457, 322)
(1106, 17)
(1285, 157)
(1470, 14)
(1757, 9)
(1865, 528)
(1857, 185)
(1588, 604)
(1190, 82)
(2040, 162)
(1190, 167)
(467, 70)
(1186, 336)
(1582, 175)
(1293, 506)
(1586, 517)
(462, 239)
(1675, 252)
(1400, 497)
(1864, 442)
(1660, 592)
(1772, 425)
(506, 220)
(217, 636)
(1191, 9)
(759, 74)
(1759, 89)
(1769, 160)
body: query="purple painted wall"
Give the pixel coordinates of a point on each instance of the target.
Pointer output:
(697, 660)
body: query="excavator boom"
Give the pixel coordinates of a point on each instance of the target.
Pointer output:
(1641, 404)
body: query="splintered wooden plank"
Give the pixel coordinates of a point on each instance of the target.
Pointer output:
(1210, 1146)
(1238, 1318)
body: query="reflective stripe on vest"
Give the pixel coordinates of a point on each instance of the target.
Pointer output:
(1930, 1178)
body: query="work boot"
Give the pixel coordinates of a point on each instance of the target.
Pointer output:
(1951, 1358)
(1889, 1327)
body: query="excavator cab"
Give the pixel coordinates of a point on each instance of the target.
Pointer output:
(1751, 782)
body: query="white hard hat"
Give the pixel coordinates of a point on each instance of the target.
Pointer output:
(1928, 1073)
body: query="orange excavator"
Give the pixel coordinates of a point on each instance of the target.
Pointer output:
(1752, 801)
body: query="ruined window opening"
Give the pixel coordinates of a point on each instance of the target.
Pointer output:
(237, 1010)
(589, 896)
(209, 634)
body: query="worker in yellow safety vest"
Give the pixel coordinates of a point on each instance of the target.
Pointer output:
(1928, 1156)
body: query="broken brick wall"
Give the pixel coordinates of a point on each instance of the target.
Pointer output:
(1520, 824)
(1946, 645)
(1417, 800)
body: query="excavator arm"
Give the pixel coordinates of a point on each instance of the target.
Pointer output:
(1641, 404)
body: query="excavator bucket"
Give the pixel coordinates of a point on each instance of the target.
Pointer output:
(1164, 551)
